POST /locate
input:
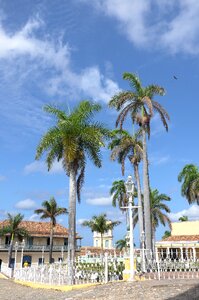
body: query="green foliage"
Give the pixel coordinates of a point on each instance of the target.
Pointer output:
(50, 210)
(73, 139)
(189, 176)
(157, 209)
(167, 233)
(139, 103)
(183, 218)
(100, 224)
(13, 227)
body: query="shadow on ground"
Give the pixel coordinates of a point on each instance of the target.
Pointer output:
(191, 294)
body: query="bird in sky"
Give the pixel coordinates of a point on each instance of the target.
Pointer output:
(175, 77)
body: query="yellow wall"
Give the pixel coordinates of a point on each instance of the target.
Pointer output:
(185, 228)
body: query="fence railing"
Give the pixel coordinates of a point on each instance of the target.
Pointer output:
(57, 274)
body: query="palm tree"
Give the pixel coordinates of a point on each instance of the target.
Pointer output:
(159, 212)
(123, 146)
(118, 191)
(50, 210)
(101, 225)
(122, 244)
(140, 105)
(13, 229)
(167, 233)
(189, 176)
(73, 139)
(183, 218)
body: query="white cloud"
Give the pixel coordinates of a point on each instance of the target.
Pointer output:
(80, 221)
(41, 167)
(192, 213)
(34, 217)
(102, 201)
(26, 204)
(159, 160)
(169, 24)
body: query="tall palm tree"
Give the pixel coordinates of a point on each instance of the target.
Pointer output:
(100, 224)
(50, 210)
(140, 105)
(73, 139)
(123, 146)
(183, 219)
(189, 176)
(15, 230)
(159, 211)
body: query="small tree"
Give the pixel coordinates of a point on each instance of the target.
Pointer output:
(100, 224)
(50, 211)
(183, 219)
(13, 229)
(167, 233)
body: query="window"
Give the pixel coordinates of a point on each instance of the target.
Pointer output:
(60, 259)
(40, 261)
(106, 243)
(96, 243)
(30, 241)
(65, 242)
(48, 241)
(28, 259)
(7, 240)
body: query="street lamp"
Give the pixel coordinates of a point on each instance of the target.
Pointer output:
(130, 191)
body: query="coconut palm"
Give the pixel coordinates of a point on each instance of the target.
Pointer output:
(50, 210)
(101, 225)
(15, 230)
(189, 176)
(159, 211)
(74, 139)
(183, 219)
(123, 146)
(140, 105)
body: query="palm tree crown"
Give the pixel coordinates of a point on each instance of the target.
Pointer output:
(50, 210)
(100, 224)
(118, 191)
(189, 176)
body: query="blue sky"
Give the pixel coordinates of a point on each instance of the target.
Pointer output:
(61, 52)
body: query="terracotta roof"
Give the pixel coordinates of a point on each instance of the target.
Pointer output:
(178, 238)
(97, 250)
(41, 228)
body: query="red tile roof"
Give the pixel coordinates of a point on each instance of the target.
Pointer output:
(178, 238)
(41, 228)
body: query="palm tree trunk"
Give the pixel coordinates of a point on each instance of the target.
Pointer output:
(72, 226)
(140, 208)
(153, 240)
(147, 208)
(10, 251)
(51, 244)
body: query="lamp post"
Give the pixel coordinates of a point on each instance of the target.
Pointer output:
(22, 249)
(16, 248)
(130, 191)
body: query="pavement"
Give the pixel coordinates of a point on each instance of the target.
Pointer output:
(143, 290)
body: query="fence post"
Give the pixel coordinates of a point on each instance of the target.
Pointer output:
(157, 261)
(106, 267)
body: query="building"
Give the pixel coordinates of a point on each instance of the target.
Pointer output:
(183, 242)
(107, 239)
(35, 248)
